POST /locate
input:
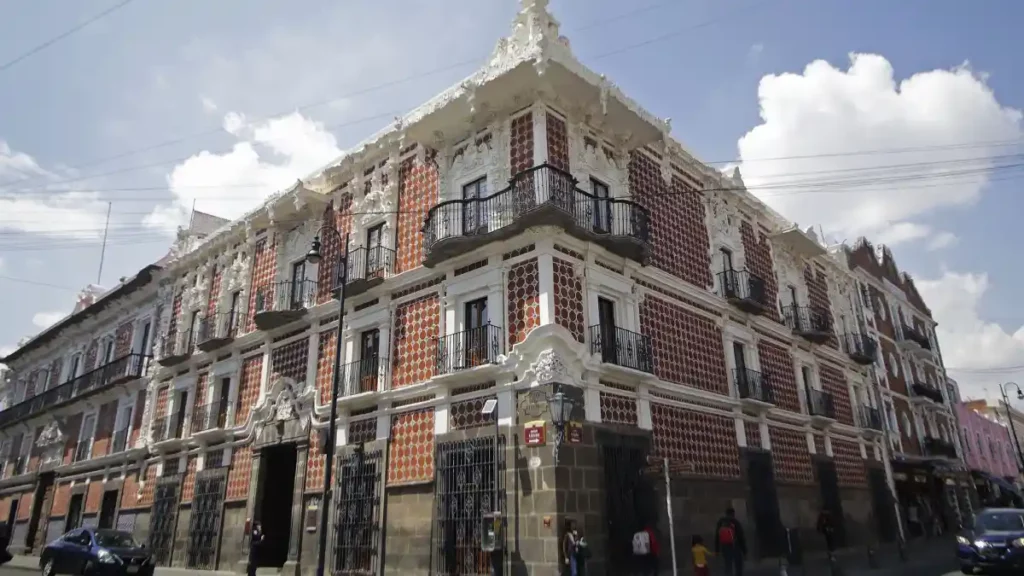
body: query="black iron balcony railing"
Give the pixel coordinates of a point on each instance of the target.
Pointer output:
(811, 322)
(209, 416)
(927, 391)
(869, 418)
(860, 348)
(175, 347)
(752, 385)
(621, 347)
(542, 195)
(365, 375)
(939, 447)
(280, 303)
(744, 290)
(118, 371)
(217, 329)
(368, 267)
(911, 334)
(18, 465)
(167, 428)
(469, 349)
(82, 450)
(119, 443)
(821, 404)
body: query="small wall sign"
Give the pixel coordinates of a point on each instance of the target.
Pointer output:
(574, 432)
(535, 433)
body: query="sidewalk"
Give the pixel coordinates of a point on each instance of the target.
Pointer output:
(32, 563)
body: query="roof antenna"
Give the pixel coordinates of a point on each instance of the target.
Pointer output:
(103, 249)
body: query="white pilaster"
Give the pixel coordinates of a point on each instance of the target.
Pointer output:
(810, 443)
(828, 446)
(540, 136)
(383, 427)
(766, 437)
(311, 361)
(741, 432)
(592, 404)
(644, 420)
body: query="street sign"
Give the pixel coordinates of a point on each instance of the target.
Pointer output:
(534, 433)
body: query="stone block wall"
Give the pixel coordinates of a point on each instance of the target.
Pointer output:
(408, 519)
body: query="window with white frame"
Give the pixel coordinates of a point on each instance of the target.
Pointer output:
(908, 428)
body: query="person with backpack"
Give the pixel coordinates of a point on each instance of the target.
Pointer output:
(730, 543)
(570, 548)
(645, 551)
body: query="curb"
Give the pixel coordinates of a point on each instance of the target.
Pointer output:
(32, 563)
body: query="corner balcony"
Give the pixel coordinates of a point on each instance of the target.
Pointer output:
(914, 342)
(822, 408)
(218, 330)
(623, 348)
(540, 196)
(208, 422)
(809, 322)
(754, 390)
(860, 348)
(175, 348)
(939, 448)
(284, 302)
(744, 290)
(365, 376)
(368, 268)
(869, 419)
(924, 390)
(119, 371)
(469, 349)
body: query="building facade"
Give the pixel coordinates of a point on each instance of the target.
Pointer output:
(531, 233)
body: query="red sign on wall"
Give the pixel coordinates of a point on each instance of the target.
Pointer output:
(534, 433)
(574, 432)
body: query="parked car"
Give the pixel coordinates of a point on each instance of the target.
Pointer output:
(96, 552)
(994, 543)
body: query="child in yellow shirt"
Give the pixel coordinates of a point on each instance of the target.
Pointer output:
(700, 556)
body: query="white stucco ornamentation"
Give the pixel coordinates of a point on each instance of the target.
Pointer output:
(590, 159)
(549, 367)
(52, 433)
(789, 272)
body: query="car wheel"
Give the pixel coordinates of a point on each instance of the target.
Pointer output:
(48, 568)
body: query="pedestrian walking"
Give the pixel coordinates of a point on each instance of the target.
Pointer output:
(645, 551)
(255, 545)
(700, 556)
(570, 548)
(731, 543)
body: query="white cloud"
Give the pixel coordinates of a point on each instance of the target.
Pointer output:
(942, 240)
(46, 319)
(269, 156)
(815, 156)
(209, 105)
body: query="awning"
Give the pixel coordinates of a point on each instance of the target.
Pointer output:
(1001, 483)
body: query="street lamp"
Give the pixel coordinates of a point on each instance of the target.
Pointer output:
(561, 406)
(1009, 416)
(313, 257)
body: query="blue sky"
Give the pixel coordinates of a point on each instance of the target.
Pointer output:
(210, 74)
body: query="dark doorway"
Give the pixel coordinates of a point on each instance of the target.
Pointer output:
(43, 495)
(606, 321)
(630, 499)
(74, 512)
(108, 508)
(765, 501)
(882, 503)
(274, 508)
(12, 516)
(828, 479)
(463, 493)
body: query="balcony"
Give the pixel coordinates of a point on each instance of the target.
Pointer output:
(822, 407)
(914, 341)
(166, 433)
(809, 322)
(923, 390)
(119, 443)
(744, 290)
(939, 448)
(218, 329)
(367, 268)
(208, 421)
(469, 349)
(284, 302)
(753, 389)
(621, 347)
(119, 371)
(869, 418)
(82, 451)
(539, 196)
(366, 375)
(860, 348)
(17, 466)
(175, 348)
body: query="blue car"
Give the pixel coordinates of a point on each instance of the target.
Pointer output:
(96, 552)
(995, 544)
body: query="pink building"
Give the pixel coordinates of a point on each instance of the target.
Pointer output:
(987, 444)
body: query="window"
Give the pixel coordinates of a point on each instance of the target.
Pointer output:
(606, 330)
(792, 295)
(726, 259)
(369, 358)
(369, 347)
(805, 373)
(298, 278)
(967, 445)
(739, 356)
(602, 206)
(233, 311)
(473, 216)
(108, 351)
(192, 330)
(144, 346)
(75, 361)
(475, 325)
(374, 254)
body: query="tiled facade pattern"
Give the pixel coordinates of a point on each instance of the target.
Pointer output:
(819, 445)
(705, 442)
(558, 142)
(290, 361)
(61, 499)
(817, 293)
(362, 430)
(216, 279)
(315, 462)
(418, 191)
(94, 495)
(849, 464)
(239, 473)
(568, 298)
(123, 339)
(523, 300)
(331, 246)
(893, 367)
(188, 483)
(414, 359)
(521, 143)
(777, 370)
(679, 237)
(467, 414)
(73, 426)
(249, 387)
(104, 428)
(758, 253)
(618, 409)
(752, 430)
(264, 268)
(411, 454)
(790, 457)
(687, 347)
(90, 356)
(833, 381)
(325, 366)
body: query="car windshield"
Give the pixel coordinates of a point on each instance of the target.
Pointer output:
(1007, 521)
(114, 539)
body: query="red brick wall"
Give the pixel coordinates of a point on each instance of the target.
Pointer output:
(202, 391)
(415, 349)
(679, 235)
(616, 409)
(753, 434)
(412, 447)
(188, 484)
(790, 457)
(758, 254)
(104, 429)
(418, 192)
(90, 356)
(315, 461)
(61, 499)
(146, 499)
(129, 490)
(687, 347)
(214, 294)
(72, 426)
(521, 149)
(325, 365)
(523, 300)
(331, 245)
(897, 383)
(172, 325)
(817, 291)
(568, 299)
(239, 474)
(849, 464)
(264, 268)
(290, 360)
(94, 496)
(833, 380)
(162, 396)
(25, 506)
(777, 367)
(706, 442)
(558, 142)
(249, 387)
(123, 340)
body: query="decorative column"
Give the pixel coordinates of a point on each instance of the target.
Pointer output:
(298, 509)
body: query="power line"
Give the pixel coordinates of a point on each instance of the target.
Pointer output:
(36, 283)
(63, 35)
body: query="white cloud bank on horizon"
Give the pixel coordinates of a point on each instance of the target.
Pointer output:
(46, 319)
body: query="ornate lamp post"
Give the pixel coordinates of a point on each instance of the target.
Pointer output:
(561, 406)
(1009, 416)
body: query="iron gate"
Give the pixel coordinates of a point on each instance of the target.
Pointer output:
(629, 498)
(828, 479)
(357, 517)
(463, 493)
(161, 523)
(204, 524)
(765, 500)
